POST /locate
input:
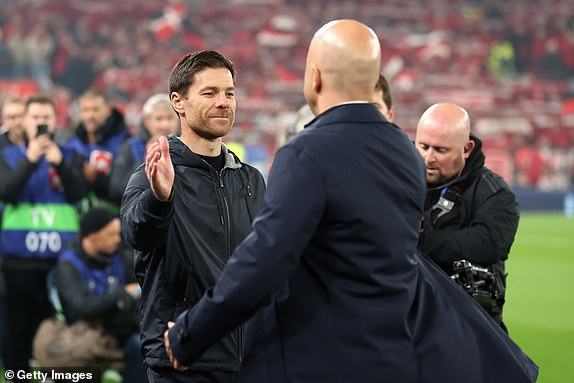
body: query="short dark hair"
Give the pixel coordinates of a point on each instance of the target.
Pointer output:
(383, 85)
(94, 93)
(183, 73)
(40, 99)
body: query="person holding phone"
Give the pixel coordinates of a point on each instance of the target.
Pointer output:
(41, 181)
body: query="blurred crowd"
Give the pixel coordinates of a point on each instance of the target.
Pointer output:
(511, 64)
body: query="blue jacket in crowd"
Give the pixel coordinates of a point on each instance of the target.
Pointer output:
(39, 214)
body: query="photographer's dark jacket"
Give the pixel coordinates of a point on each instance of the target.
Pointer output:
(184, 244)
(481, 226)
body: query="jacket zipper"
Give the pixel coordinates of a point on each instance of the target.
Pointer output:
(228, 253)
(227, 219)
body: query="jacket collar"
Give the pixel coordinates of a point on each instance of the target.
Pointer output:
(182, 155)
(348, 112)
(475, 161)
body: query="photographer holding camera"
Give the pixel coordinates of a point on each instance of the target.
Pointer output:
(41, 181)
(471, 214)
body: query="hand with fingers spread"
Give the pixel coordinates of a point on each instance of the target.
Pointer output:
(172, 359)
(159, 169)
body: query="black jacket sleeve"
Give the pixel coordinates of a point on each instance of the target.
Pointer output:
(487, 232)
(78, 302)
(145, 219)
(122, 169)
(75, 186)
(14, 179)
(101, 185)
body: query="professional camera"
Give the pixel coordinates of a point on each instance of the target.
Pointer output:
(479, 283)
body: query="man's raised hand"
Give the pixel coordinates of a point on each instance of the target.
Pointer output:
(159, 169)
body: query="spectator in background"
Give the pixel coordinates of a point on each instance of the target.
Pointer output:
(40, 183)
(552, 65)
(11, 133)
(18, 51)
(186, 210)
(528, 162)
(95, 283)
(159, 119)
(40, 47)
(98, 137)
(303, 117)
(12, 128)
(77, 72)
(470, 212)
(384, 98)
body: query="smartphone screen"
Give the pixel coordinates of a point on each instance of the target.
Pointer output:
(42, 129)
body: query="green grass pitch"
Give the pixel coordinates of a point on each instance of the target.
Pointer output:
(539, 309)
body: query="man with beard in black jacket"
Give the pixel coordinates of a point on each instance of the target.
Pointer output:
(185, 210)
(470, 212)
(98, 137)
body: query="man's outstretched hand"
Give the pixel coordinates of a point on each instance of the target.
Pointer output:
(159, 169)
(172, 359)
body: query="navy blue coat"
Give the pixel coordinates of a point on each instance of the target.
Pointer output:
(331, 261)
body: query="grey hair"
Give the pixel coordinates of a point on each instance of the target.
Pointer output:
(154, 101)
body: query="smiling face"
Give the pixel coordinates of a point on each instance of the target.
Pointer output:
(208, 106)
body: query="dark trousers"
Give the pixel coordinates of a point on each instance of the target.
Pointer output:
(26, 305)
(134, 370)
(169, 375)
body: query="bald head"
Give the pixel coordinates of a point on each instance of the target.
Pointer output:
(443, 140)
(447, 118)
(343, 64)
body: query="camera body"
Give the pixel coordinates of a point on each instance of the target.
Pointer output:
(480, 283)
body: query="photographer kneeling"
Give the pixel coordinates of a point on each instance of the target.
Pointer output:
(98, 302)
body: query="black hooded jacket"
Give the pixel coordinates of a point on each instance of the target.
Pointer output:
(480, 227)
(184, 243)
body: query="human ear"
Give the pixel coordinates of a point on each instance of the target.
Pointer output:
(177, 102)
(316, 79)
